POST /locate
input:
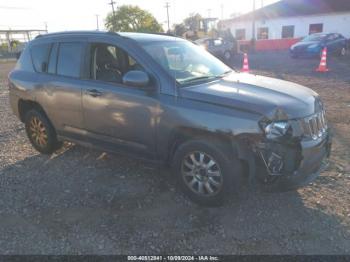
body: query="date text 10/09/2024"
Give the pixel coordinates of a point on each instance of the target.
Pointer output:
(172, 258)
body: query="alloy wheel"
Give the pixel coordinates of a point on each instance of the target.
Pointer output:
(38, 132)
(227, 55)
(343, 51)
(202, 174)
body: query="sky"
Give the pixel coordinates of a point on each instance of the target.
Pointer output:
(62, 15)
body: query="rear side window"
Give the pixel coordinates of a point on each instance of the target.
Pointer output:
(69, 59)
(40, 57)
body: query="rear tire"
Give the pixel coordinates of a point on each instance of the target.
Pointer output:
(206, 172)
(40, 132)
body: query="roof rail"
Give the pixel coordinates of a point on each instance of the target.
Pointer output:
(75, 32)
(165, 34)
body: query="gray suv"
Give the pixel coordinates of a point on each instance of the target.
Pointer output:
(219, 47)
(167, 101)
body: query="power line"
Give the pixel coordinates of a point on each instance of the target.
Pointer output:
(167, 5)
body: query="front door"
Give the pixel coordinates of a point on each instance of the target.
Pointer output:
(117, 115)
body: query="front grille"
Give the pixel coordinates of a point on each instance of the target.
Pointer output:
(314, 126)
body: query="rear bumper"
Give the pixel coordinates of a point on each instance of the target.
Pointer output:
(314, 160)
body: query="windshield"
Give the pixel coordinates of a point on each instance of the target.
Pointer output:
(316, 37)
(186, 62)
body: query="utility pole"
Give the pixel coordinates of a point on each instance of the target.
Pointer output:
(209, 13)
(46, 27)
(222, 11)
(167, 5)
(112, 3)
(253, 26)
(97, 24)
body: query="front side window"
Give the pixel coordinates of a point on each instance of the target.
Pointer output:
(110, 63)
(69, 59)
(40, 57)
(186, 62)
(218, 42)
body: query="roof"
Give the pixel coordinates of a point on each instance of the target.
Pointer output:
(139, 37)
(145, 37)
(290, 8)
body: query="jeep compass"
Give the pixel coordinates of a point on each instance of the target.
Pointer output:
(168, 101)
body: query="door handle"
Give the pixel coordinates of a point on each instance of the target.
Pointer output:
(94, 92)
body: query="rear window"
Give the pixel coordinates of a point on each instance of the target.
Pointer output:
(69, 59)
(40, 57)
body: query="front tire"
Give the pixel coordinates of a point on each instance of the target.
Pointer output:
(40, 132)
(206, 172)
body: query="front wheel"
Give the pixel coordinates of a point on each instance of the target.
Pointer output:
(342, 51)
(40, 132)
(227, 55)
(206, 172)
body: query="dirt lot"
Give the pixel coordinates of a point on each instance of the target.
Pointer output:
(82, 202)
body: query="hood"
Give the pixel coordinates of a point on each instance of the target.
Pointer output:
(305, 44)
(269, 97)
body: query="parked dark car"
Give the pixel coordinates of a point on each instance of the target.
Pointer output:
(165, 100)
(219, 47)
(313, 45)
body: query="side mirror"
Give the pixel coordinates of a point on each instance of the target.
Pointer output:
(136, 79)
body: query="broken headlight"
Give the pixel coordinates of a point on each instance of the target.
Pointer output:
(276, 130)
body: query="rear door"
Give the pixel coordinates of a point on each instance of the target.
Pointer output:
(64, 86)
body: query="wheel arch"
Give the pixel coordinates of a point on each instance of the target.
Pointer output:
(26, 105)
(181, 135)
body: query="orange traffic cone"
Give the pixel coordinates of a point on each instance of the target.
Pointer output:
(245, 68)
(323, 64)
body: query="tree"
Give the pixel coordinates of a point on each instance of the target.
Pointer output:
(130, 18)
(180, 29)
(193, 22)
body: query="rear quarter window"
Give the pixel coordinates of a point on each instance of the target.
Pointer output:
(40, 57)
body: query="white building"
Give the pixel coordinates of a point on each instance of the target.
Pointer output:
(280, 25)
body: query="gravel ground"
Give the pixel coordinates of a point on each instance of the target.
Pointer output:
(82, 201)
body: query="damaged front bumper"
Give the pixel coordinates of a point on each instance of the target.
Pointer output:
(291, 166)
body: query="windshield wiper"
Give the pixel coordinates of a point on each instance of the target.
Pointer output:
(200, 78)
(195, 79)
(224, 74)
